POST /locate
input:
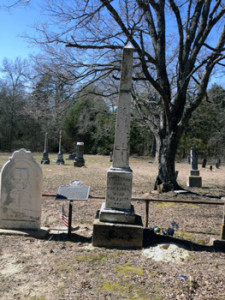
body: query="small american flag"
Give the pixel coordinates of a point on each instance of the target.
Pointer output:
(64, 217)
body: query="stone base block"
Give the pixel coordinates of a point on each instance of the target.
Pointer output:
(194, 173)
(117, 216)
(40, 234)
(78, 164)
(19, 224)
(124, 236)
(194, 181)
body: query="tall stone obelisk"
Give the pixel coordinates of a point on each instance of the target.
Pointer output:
(45, 159)
(119, 176)
(60, 160)
(118, 225)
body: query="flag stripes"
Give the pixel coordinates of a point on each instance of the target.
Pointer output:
(64, 217)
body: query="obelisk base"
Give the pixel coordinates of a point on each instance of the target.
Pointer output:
(45, 160)
(118, 235)
(117, 215)
(194, 180)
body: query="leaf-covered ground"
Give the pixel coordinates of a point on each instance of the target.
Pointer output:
(184, 266)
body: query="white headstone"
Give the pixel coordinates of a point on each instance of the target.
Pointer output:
(20, 192)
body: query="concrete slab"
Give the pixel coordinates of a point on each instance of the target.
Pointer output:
(40, 234)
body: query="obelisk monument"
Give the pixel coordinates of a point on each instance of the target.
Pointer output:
(45, 160)
(60, 160)
(194, 180)
(118, 225)
(119, 176)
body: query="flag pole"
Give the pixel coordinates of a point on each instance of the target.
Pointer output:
(70, 218)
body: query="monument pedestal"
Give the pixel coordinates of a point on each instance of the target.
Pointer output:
(45, 160)
(118, 235)
(79, 163)
(60, 160)
(116, 224)
(79, 159)
(194, 180)
(116, 215)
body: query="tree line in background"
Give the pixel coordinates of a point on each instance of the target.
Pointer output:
(34, 101)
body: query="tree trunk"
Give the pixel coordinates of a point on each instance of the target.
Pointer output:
(167, 177)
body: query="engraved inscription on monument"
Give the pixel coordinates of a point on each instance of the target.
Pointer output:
(119, 190)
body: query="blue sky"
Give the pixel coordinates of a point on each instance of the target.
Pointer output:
(16, 22)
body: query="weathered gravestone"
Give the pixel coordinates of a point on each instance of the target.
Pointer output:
(111, 156)
(79, 159)
(20, 192)
(204, 162)
(194, 180)
(118, 225)
(45, 160)
(60, 160)
(218, 163)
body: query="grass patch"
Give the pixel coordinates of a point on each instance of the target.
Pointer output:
(164, 204)
(127, 269)
(185, 235)
(201, 242)
(63, 269)
(190, 205)
(89, 257)
(126, 290)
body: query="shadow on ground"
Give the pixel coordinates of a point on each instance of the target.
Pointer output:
(151, 240)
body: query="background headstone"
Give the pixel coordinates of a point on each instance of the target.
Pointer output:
(60, 160)
(20, 192)
(218, 163)
(79, 159)
(204, 163)
(194, 180)
(194, 159)
(45, 160)
(111, 156)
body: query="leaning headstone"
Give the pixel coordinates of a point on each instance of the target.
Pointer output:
(118, 225)
(79, 159)
(60, 160)
(45, 160)
(204, 163)
(194, 180)
(20, 192)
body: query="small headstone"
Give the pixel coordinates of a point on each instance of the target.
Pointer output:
(111, 156)
(60, 160)
(20, 192)
(45, 160)
(194, 180)
(79, 159)
(71, 157)
(194, 159)
(204, 163)
(218, 162)
(188, 159)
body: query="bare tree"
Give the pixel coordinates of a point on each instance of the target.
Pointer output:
(178, 44)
